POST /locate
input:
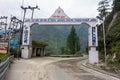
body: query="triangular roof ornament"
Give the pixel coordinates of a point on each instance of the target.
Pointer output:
(59, 14)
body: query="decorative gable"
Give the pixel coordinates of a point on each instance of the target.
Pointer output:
(59, 13)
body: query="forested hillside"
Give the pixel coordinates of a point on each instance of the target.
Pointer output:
(56, 36)
(112, 28)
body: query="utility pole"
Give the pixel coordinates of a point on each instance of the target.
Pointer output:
(4, 23)
(13, 29)
(24, 14)
(32, 9)
(103, 11)
(25, 9)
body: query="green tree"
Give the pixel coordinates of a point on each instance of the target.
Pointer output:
(103, 8)
(77, 44)
(73, 41)
(116, 6)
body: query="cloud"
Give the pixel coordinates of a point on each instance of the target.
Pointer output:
(73, 8)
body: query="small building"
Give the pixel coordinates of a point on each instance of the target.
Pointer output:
(38, 48)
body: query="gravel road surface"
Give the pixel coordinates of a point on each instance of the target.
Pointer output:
(50, 68)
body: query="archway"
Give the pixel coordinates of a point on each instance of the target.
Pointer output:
(56, 36)
(61, 19)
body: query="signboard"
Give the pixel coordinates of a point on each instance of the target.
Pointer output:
(38, 20)
(93, 36)
(59, 13)
(14, 43)
(3, 47)
(26, 36)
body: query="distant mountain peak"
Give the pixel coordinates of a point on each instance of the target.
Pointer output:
(59, 14)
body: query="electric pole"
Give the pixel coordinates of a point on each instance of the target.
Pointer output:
(25, 9)
(5, 25)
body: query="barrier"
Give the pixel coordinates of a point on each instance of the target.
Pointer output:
(4, 66)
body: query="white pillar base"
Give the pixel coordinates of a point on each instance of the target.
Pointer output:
(25, 52)
(93, 55)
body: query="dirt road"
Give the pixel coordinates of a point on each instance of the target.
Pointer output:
(32, 69)
(49, 68)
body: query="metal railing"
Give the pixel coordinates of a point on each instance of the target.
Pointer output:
(4, 66)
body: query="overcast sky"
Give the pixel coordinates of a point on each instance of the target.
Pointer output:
(73, 8)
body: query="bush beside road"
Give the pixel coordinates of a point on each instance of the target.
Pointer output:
(3, 56)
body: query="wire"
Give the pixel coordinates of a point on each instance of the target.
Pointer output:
(22, 4)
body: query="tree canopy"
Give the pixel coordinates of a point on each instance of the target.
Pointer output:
(73, 42)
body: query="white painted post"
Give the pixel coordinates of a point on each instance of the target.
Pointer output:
(26, 42)
(93, 43)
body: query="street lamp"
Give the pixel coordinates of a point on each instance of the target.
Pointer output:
(104, 41)
(103, 20)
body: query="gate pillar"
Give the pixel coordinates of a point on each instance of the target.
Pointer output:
(93, 43)
(26, 48)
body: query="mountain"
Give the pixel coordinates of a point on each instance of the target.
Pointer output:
(56, 36)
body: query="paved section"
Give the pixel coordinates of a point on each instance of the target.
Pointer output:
(76, 69)
(49, 68)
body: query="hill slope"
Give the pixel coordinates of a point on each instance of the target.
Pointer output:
(56, 36)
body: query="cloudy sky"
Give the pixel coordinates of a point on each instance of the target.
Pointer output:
(73, 8)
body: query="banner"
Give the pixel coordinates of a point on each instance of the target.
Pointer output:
(3, 47)
(26, 36)
(93, 41)
(14, 43)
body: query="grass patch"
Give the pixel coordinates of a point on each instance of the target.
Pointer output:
(3, 56)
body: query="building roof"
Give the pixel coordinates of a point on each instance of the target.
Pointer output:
(39, 44)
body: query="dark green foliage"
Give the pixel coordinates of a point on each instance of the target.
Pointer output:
(79, 53)
(77, 44)
(73, 41)
(108, 20)
(3, 56)
(116, 6)
(100, 30)
(103, 8)
(101, 45)
(65, 50)
(56, 36)
(112, 38)
(113, 43)
(15, 52)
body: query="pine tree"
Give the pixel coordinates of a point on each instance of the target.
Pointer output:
(73, 41)
(103, 9)
(116, 6)
(77, 44)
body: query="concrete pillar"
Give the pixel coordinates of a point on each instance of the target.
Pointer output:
(93, 55)
(93, 43)
(34, 52)
(25, 52)
(26, 42)
(42, 52)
